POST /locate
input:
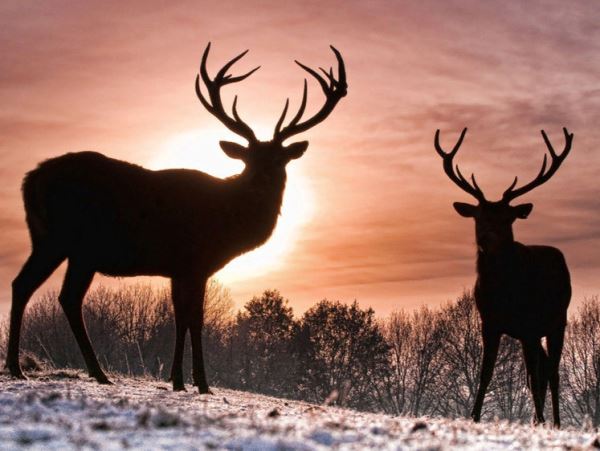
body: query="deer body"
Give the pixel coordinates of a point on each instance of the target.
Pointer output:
(116, 218)
(521, 291)
(123, 220)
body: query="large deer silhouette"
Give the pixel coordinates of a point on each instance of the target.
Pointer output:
(522, 291)
(112, 217)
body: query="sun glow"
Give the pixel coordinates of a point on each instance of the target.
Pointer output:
(200, 150)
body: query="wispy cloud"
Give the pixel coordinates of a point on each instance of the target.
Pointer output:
(118, 78)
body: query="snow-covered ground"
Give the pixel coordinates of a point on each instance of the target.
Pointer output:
(68, 411)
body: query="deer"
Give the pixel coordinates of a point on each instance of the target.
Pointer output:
(119, 219)
(522, 291)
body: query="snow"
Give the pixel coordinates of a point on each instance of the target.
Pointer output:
(63, 410)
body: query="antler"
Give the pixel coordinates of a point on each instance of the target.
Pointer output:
(543, 176)
(215, 106)
(457, 177)
(334, 90)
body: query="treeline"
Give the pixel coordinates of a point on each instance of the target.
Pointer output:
(421, 363)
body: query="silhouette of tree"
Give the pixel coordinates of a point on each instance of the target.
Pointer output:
(263, 344)
(426, 352)
(342, 350)
(581, 368)
(509, 396)
(462, 353)
(423, 363)
(394, 394)
(132, 327)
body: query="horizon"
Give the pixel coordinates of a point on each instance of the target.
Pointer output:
(367, 213)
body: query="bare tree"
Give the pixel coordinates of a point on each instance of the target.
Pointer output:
(394, 391)
(341, 350)
(131, 326)
(461, 354)
(581, 366)
(509, 397)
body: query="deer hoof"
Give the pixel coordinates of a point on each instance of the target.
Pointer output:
(102, 379)
(205, 391)
(17, 374)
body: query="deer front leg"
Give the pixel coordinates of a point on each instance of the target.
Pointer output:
(491, 342)
(188, 301)
(181, 327)
(196, 319)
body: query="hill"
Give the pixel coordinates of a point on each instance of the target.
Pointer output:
(66, 410)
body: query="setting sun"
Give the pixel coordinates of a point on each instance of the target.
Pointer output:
(199, 149)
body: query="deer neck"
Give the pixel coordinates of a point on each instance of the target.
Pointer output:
(263, 186)
(491, 263)
(260, 197)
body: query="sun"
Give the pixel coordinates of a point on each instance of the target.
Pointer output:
(199, 149)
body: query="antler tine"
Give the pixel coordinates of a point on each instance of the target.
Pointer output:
(300, 112)
(221, 74)
(315, 74)
(341, 65)
(441, 151)
(282, 117)
(453, 172)
(334, 91)
(543, 175)
(215, 106)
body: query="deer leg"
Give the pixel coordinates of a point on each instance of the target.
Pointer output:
(555, 345)
(181, 327)
(196, 317)
(76, 283)
(41, 263)
(532, 363)
(491, 342)
(543, 373)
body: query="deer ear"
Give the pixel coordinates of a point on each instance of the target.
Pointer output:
(523, 210)
(234, 150)
(465, 210)
(296, 150)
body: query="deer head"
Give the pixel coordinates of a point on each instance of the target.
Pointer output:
(493, 220)
(271, 154)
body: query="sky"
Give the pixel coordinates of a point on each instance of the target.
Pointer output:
(368, 210)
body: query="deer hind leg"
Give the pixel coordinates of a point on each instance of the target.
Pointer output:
(76, 283)
(533, 363)
(543, 373)
(555, 345)
(491, 342)
(188, 301)
(41, 263)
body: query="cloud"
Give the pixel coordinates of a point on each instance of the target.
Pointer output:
(119, 78)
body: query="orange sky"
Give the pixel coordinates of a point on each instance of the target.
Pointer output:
(98, 75)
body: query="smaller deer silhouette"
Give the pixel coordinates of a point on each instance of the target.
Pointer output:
(521, 291)
(109, 216)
